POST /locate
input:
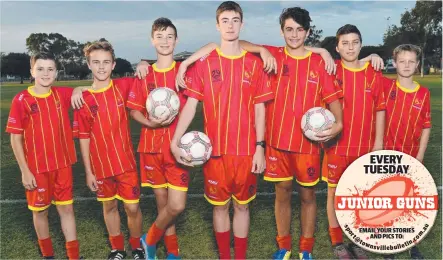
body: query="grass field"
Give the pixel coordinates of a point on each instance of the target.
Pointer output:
(18, 239)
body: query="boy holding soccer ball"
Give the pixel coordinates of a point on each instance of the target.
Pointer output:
(158, 168)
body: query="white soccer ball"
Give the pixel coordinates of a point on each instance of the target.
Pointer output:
(316, 120)
(163, 103)
(197, 146)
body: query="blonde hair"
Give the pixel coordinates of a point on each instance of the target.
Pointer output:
(406, 47)
(98, 45)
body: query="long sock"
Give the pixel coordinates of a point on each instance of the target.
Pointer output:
(46, 247)
(154, 235)
(223, 243)
(72, 249)
(171, 243)
(134, 242)
(336, 235)
(240, 247)
(284, 242)
(306, 244)
(117, 242)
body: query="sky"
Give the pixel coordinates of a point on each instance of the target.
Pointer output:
(127, 25)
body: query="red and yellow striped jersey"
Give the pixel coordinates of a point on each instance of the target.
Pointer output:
(362, 97)
(301, 83)
(104, 119)
(229, 87)
(43, 120)
(408, 112)
(158, 139)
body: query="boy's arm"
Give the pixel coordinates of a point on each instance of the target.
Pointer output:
(336, 109)
(77, 100)
(330, 66)
(258, 161)
(269, 61)
(424, 139)
(28, 178)
(379, 130)
(90, 178)
(185, 119)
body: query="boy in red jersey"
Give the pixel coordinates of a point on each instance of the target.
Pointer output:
(363, 125)
(102, 125)
(408, 110)
(41, 138)
(233, 89)
(158, 168)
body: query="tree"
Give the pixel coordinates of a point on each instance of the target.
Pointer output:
(314, 37)
(380, 50)
(15, 64)
(122, 67)
(420, 26)
(329, 43)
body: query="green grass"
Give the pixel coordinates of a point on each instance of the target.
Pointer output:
(196, 239)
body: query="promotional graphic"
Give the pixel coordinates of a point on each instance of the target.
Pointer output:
(386, 202)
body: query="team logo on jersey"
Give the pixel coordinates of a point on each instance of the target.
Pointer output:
(216, 75)
(93, 109)
(119, 102)
(313, 77)
(40, 197)
(135, 191)
(34, 108)
(285, 71)
(151, 86)
(212, 190)
(184, 178)
(393, 95)
(417, 103)
(131, 95)
(311, 171)
(272, 167)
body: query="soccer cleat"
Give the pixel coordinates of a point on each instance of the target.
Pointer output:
(342, 252)
(150, 251)
(415, 253)
(305, 255)
(358, 252)
(282, 254)
(138, 253)
(172, 256)
(116, 255)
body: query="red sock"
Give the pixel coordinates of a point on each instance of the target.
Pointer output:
(134, 242)
(72, 249)
(46, 247)
(171, 243)
(336, 235)
(154, 235)
(117, 242)
(306, 244)
(240, 247)
(284, 242)
(223, 243)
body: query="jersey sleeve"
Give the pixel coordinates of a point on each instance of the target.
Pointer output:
(136, 99)
(82, 124)
(124, 85)
(330, 91)
(16, 117)
(427, 112)
(379, 94)
(195, 82)
(272, 49)
(261, 82)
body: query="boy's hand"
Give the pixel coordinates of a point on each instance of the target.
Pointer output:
(77, 100)
(377, 146)
(269, 62)
(157, 123)
(91, 182)
(28, 180)
(180, 157)
(376, 61)
(180, 78)
(142, 69)
(330, 132)
(330, 66)
(258, 161)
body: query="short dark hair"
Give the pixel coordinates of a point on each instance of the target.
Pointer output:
(229, 6)
(406, 47)
(162, 24)
(347, 29)
(42, 56)
(299, 15)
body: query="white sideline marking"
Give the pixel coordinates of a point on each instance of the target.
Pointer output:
(193, 195)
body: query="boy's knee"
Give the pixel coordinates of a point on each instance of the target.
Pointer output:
(65, 209)
(241, 207)
(132, 209)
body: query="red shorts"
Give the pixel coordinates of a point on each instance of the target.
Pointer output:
(124, 187)
(229, 176)
(334, 166)
(284, 165)
(159, 170)
(54, 186)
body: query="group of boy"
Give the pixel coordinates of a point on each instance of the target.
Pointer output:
(251, 117)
